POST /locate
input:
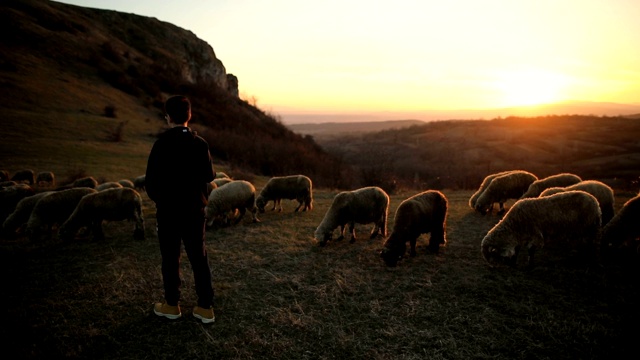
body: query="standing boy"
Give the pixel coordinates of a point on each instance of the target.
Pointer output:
(178, 170)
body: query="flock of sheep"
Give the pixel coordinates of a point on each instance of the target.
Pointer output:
(559, 208)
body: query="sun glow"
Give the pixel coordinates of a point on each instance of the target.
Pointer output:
(531, 87)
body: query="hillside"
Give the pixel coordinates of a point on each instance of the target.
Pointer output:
(458, 154)
(82, 87)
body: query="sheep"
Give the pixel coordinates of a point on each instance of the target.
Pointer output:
(221, 175)
(46, 179)
(572, 216)
(139, 182)
(210, 186)
(237, 195)
(502, 188)
(108, 185)
(221, 181)
(19, 217)
(89, 182)
(362, 206)
(6, 184)
(298, 187)
(126, 183)
(487, 180)
(558, 180)
(624, 227)
(10, 196)
(115, 204)
(25, 176)
(53, 209)
(422, 213)
(602, 192)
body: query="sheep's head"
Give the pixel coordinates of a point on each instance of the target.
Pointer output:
(393, 252)
(322, 238)
(260, 203)
(496, 255)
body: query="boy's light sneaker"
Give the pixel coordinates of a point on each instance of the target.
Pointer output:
(205, 315)
(166, 310)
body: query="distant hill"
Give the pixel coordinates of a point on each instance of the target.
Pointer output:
(82, 87)
(321, 130)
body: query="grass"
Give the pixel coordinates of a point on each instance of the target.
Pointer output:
(278, 295)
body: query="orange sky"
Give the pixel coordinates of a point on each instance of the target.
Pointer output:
(400, 55)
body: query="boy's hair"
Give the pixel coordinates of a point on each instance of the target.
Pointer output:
(178, 108)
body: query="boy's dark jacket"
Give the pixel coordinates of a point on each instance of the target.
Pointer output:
(178, 170)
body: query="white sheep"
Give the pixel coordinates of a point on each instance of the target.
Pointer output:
(53, 209)
(221, 181)
(624, 228)
(422, 213)
(363, 206)
(108, 185)
(139, 182)
(238, 195)
(114, 204)
(46, 179)
(487, 180)
(19, 217)
(88, 181)
(298, 187)
(502, 188)
(126, 183)
(10, 196)
(26, 176)
(602, 192)
(558, 180)
(571, 217)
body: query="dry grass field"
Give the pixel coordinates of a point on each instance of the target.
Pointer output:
(280, 296)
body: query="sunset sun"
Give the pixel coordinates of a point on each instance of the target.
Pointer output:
(531, 87)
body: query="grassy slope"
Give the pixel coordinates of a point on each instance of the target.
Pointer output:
(280, 296)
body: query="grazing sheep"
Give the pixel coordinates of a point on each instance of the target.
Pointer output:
(10, 196)
(89, 182)
(221, 181)
(558, 180)
(296, 187)
(6, 184)
(362, 206)
(210, 186)
(221, 175)
(19, 217)
(126, 183)
(423, 213)
(602, 192)
(487, 180)
(502, 188)
(46, 179)
(53, 209)
(4, 175)
(114, 204)
(238, 195)
(624, 228)
(139, 182)
(572, 217)
(26, 176)
(108, 185)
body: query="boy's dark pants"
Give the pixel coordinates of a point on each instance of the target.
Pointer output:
(176, 226)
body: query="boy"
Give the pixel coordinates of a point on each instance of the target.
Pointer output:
(178, 170)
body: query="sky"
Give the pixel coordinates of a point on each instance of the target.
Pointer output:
(413, 55)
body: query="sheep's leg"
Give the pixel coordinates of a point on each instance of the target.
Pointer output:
(274, 204)
(242, 211)
(279, 205)
(375, 231)
(342, 228)
(501, 211)
(352, 227)
(254, 215)
(299, 205)
(412, 244)
(138, 232)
